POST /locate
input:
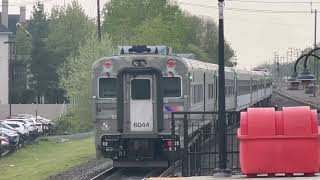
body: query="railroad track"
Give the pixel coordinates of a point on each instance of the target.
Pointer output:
(103, 175)
(171, 170)
(296, 101)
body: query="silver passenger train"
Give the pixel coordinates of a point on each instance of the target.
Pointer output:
(135, 91)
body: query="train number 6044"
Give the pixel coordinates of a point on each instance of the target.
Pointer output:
(139, 124)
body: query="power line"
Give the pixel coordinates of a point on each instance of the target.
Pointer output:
(247, 10)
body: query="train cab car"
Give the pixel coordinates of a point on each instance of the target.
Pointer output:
(129, 92)
(134, 93)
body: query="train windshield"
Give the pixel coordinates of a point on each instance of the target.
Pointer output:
(140, 89)
(107, 87)
(172, 87)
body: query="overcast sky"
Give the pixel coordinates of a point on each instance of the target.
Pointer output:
(254, 34)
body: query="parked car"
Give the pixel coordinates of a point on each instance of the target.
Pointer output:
(13, 138)
(20, 127)
(4, 145)
(44, 126)
(48, 121)
(30, 124)
(17, 125)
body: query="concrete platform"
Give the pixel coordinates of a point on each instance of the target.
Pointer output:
(234, 177)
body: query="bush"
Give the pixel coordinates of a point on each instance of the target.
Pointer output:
(72, 123)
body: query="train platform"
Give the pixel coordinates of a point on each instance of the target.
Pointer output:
(234, 177)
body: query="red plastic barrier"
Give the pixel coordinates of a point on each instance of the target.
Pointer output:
(279, 142)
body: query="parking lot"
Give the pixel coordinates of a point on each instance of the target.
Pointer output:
(19, 130)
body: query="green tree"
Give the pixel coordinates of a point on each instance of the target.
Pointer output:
(123, 16)
(68, 29)
(162, 22)
(40, 61)
(38, 24)
(161, 31)
(204, 35)
(75, 77)
(54, 38)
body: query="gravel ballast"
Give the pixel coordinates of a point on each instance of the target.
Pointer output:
(84, 171)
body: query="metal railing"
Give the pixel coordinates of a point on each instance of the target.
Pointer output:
(199, 137)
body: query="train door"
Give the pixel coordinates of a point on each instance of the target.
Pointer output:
(139, 103)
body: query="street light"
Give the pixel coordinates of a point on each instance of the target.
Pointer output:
(305, 76)
(314, 84)
(295, 73)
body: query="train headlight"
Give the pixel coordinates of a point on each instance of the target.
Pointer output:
(105, 125)
(171, 64)
(107, 64)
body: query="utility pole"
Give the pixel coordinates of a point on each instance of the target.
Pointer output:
(98, 20)
(221, 100)
(291, 54)
(274, 69)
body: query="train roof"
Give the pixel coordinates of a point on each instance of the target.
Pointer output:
(193, 64)
(197, 65)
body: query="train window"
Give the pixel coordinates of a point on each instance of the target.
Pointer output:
(107, 87)
(194, 100)
(200, 93)
(172, 87)
(210, 91)
(140, 89)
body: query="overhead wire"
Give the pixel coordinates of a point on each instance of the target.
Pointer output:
(248, 10)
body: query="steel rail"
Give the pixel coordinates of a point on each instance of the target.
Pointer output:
(108, 172)
(296, 100)
(170, 169)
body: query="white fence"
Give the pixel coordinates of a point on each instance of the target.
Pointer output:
(50, 111)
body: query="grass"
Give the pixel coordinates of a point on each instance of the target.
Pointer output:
(39, 161)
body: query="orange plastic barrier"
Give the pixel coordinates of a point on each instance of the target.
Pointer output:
(279, 142)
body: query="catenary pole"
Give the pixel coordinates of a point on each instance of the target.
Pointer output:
(221, 99)
(98, 20)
